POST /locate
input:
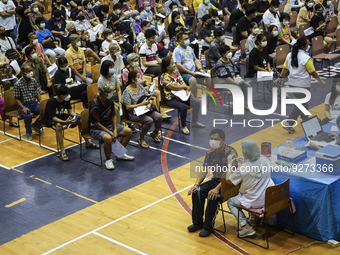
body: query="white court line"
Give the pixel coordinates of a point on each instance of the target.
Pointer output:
(119, 219)
(280, 114)
(191, 145)
(119, 243)
(6, 140)
(6, 167)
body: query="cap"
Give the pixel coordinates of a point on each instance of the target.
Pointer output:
(104, 87)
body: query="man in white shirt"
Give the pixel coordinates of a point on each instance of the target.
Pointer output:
(116, 57)
(255, 177)
(203, 9)
(7, 15)
(6, 42)
(272, 15)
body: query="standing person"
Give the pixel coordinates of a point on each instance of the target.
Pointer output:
(301, 69)
(7, 15)
(217, 155)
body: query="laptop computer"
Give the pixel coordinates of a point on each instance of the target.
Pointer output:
(314, 131)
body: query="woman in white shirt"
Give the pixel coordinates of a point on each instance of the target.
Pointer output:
(250, 44)
(108, 39)
(332, 102)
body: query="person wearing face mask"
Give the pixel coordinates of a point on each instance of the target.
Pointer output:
(284, 34)
(228, 6)
(117, 11)
(141, 4)
(176, 22)
(146, 14)
(76, 59)
(40, 73)
(57, 25)
(236, 15)
(203, 8)
(81, 23)
(217, 155)
(328, 9)
(6, 42)
(89, 13)
(131, 98)
(261, 7)
(197, 3)
(258, 57)
(180, 19)
(24, 27)
(272, 40)
(64, 76)
(320, 27)
(305, 13)
(206, 32)
(171, 81)
(272, 15)
(215, 45)
(120, 31)
(242, 28)
(250, 43)
(7, 15)
(125, 6)
(108, 76)
(38, 49)
(254, 181)
(116, 57)
(101, 11)
(108, 39)
(55, 118)
(149, 54)
(61, 7)
(33, 14)
(26, 92)
(169, 8)
(332, 102)
(301, 69)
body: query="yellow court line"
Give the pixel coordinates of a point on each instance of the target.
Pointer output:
(16, 202)
(17, 170)
(42, 180)
(77, 194)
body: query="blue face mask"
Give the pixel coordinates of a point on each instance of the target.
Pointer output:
(89, 7)
(112, 71)
(147, 8)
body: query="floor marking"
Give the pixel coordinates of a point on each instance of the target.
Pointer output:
(6, 140)
(191, 145)
(280, 114)
(16, 202)
(6, 167)
(119, 243)
(119, 219)
(17, 170)
(89, 199)
(41, 180)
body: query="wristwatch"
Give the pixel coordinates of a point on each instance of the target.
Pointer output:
(111, 133)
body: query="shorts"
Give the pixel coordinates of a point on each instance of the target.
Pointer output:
(52, 124)
(186, 77)
(98, 134)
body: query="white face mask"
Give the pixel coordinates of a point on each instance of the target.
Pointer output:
(35, 10)
(68, 97)
(256, 31)
(110, 37)
(286, 23)
(175, 10)
(215, 144)
(34, 56)
(29, 75)
(264, 44)
(275, 33)
(78, 44)
(35, 41)
(310, 5)
(42, 25)
(229, 55)
(338, 88)
(64, 68)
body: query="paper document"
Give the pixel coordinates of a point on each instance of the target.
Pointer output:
(89, 80)
(204, 74)
(194, 41)
(140, 110)
(160, 35)
(262, 75)
(73, 85)
(238, 79)
(152, 88)
(52, 69)
(75, 117)
(181, 94)
(68, 12)
(120, 111)
(92, 35)
(293, 41)
(8, 79)
(118, 149)
(184, 9)
(220, 13)
(308, 31)
(15, 66)
(334, 128)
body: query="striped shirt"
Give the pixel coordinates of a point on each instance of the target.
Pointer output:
(98, 112)
(149, 53)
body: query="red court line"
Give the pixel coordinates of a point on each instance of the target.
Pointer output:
(179, 197)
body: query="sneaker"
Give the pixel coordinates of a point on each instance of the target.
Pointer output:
(197, 124)
(289, 129)
(37, 130)
(246, 232)
(109, 164)
(126, 157)
(194, 228)
(132, 128)
(204, 233)
(166, 116)
(28, 137)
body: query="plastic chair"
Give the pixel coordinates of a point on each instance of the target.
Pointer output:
(226, 23)
(11, 111)
(292, 22)
(235, 42)
(73, 102)
(95, 70)
(207, 60)
(281, 54)
(282, 7)
(92, 91)
(337, 46)
(243, 55)
(276, 199)
(302, 28)
(332, 25)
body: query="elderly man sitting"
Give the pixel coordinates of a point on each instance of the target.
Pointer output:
(116, 57)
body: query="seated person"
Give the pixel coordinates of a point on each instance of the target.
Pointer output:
(108, 39)
(63, 77)
(272, 15)
(117, 11)
(6, 73)
(81, 23)
(203, 9)
(101, 11)
(107, 76)
(171, 81)
(141, 4)
(137, 26)
(103, 124)
(149, 54)
(174, 7)
(253, 184)
(284, 34)
(89, 13)
(206, 32)
(250, 43)
(134, 93)
(146, 14)
(261, 8)
(116, 57)
(168, 9)
(174, 24)
(228, 6)
(125, 6)
(332, 102)
(133, 65)
(4, 117)
(47, 40)
(120, 30)
(59, 6)
(216, 20)
(76, 59)
(34, 13)
(187, 63)
(305, 13)
(141, 36)
(40, 73)
(26, 91)
(215, 46)
(174, 43)
(216, 155)
(235, 16)
(24, 27)
(258, 57)
(226, 68)
(272, 40)
(6, 42)
(242, 28)
(57, 24)
(320, 26)
(34, 43)
(55, 118)
(328, 9)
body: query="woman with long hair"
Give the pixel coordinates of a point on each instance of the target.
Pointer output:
(301, 69)
(332, 102)
(272, 40)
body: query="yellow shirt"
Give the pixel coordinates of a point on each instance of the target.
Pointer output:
(309, 66)
(75, 58)
(180, 19)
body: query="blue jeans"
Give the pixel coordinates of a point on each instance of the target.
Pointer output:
(182, 106)
(80, 71)
(215, 3)
(33, 108)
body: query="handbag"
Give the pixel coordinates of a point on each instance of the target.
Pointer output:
(12, 53)
(50, 45)
(6, 72)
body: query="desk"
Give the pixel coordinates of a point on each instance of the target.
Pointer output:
(317, 200)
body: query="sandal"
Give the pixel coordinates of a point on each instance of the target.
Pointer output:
(93, 146)
(143, 144)
(13, 124)
(155, 137)
(185, 131)
(64, 157)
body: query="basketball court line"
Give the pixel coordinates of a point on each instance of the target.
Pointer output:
(114, 221)
(6, 140)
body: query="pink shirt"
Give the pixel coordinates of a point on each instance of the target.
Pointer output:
(126, 74)
(39, 50)
(125, 8)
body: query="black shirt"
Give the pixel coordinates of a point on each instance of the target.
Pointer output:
(260, 7)
(242, 25)
(171, 28)
(235, 16)
(55, 109)
(101, 113)
(207, 32)
(271, 44)
(315, 22)
(61, 76)
(257, 58)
